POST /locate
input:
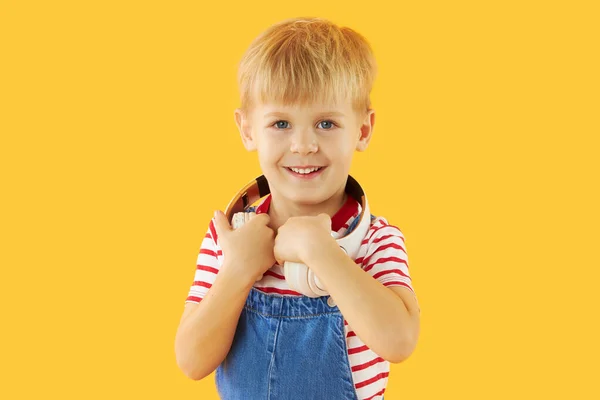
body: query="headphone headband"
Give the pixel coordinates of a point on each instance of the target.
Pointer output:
(298, 276)
(350, 242)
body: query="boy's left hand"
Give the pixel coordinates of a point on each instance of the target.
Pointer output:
(300, 235)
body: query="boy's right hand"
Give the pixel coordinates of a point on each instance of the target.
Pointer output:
(247, 250)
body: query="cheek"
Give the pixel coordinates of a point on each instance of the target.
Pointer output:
(268, 158)
(272, 150)
(340, 149)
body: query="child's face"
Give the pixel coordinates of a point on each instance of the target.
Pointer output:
(315, 135)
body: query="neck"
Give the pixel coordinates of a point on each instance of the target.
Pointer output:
(280, 210)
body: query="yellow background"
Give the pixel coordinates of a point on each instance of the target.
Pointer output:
(118, 143)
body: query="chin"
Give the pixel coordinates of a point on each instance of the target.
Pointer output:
(309, 196)
(306, 199)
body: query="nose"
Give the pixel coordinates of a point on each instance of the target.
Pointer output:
(303, 142)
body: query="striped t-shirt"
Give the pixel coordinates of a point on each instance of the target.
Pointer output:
(382, 254)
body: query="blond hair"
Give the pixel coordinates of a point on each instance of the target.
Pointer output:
(307, 60)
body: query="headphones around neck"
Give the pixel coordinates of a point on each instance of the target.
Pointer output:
(298, 276)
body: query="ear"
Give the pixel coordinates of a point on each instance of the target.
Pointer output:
(366, 130)
(245, 128)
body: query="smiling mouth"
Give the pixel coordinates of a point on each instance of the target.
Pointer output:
(305, 172)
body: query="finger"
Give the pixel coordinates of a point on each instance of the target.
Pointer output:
(246, 217)
(278, 260)
(326, 220)
(221, 224)
(276, 256)
(263, 218)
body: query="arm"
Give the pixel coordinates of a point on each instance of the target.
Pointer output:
(385, 319)
(206, 330)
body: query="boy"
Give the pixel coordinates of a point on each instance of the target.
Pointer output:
(305, 108)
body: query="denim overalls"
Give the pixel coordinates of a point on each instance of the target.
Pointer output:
(287, 348)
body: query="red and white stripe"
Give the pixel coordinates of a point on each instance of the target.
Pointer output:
(382, 254)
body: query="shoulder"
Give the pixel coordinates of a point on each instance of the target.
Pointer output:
(380, 227)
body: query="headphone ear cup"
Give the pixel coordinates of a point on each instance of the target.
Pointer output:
(297, 277)
(303, 280)
(315, 284)
(238, 220)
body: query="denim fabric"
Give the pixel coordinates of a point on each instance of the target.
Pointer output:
(287, 348)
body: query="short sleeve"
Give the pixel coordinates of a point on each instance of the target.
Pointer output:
(386, 258)
(207, 266)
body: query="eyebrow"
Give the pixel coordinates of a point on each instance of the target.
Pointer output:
(321, 114)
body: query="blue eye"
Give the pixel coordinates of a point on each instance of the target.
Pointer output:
(327, 122)
(279, 124)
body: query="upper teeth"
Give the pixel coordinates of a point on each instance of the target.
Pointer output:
(304, 170)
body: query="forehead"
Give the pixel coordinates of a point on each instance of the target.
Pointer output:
(340, 109)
